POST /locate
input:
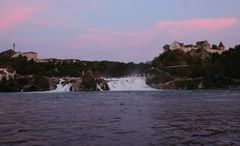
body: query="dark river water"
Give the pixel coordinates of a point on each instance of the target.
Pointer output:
(159, 118)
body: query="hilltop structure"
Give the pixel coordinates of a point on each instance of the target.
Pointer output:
(34, 56)
(29, 55)
(205, 45)
(47, 60)
(12, 53)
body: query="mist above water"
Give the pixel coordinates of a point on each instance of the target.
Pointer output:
(115, 84)
(128, 84)
(62, 87)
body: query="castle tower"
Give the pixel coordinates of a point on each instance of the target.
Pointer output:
(221, 46)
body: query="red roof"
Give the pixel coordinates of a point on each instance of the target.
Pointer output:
(30, 52)
(221, 45)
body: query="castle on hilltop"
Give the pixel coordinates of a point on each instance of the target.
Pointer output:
(205, 45)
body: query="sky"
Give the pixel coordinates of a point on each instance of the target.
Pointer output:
(118, 30)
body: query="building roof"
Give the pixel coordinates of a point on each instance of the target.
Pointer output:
(221, 45)
(214, 47)
(176, 42)
(9, 52)
(166, 47)
(190, 45)
(201, 42)
(30, 52)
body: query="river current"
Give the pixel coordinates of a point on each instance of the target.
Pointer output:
(153, 118)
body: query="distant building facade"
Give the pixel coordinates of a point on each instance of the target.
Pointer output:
(205, 45)
(28, 55)
(48, 60)
(176, 45)
(7, 72)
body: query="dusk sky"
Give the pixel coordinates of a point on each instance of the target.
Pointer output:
(122, 30)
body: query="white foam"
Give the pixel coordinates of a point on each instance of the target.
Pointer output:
(128, 84)
(61, 87)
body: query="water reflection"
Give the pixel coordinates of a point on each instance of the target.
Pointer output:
(121, 118)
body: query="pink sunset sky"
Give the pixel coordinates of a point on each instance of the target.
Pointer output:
(113, 29)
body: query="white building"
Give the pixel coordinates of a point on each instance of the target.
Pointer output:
(7, 73)
(176, 45)
(199, 45)
(28, 55)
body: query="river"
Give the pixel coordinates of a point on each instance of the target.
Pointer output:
(151, 118)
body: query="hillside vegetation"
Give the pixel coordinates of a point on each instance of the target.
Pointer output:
(192, 70)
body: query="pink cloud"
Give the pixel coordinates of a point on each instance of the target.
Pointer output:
(133, 40)
(49, 13)
(15, 13)
(184, 27)
(99, 38)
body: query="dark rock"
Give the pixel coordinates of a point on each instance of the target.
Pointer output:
(102, 83)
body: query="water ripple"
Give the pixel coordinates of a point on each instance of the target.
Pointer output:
(121, 118)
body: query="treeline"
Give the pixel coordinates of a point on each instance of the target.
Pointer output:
(213, 70)
(57, 68)
(35, 76)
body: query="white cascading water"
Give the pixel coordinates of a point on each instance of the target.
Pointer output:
(115, 84)
(62, 88)
(128, 84)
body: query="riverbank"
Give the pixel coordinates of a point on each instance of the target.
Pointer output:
(173, 69)
(87, 82)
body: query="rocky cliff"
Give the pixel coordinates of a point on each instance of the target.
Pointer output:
(86, 82)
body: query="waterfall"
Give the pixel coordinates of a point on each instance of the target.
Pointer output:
(128, 84)
(62, 88)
